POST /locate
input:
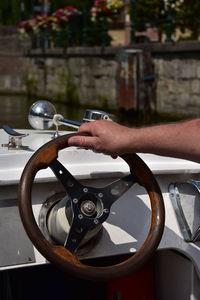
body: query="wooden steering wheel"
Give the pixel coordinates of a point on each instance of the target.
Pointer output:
(86, 217)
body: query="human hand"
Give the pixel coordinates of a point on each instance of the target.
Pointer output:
(104, 137)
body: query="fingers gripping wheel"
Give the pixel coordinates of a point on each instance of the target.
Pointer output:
(90, 207)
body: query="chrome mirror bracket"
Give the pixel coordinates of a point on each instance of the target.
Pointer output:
(42, 115)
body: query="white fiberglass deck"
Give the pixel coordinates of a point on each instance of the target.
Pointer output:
(129, 220)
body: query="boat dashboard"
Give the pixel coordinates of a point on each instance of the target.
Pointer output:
(128, 223)
(95, 217)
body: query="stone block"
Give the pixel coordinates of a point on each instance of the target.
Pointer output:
(167, 68)
(195, 86)
(183, 86)
(188, 69)
(184, 99)
(198, 70)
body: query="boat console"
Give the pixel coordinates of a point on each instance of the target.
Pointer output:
(93, 216)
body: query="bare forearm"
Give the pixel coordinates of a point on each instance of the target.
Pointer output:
(180, 140)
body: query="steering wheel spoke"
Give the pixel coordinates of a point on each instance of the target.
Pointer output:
(79, 228)
(75, 236)
(70, 184)
(116, 189)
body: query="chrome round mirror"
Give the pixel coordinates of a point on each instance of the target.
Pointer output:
(41, 114)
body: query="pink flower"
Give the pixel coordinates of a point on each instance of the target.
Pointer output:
(57, 21)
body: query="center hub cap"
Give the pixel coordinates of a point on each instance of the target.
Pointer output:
(88, 207)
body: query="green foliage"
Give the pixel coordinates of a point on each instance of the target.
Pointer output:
(185, 14)
(146, 12)
(165, 13)
(188, 18)
(9, 12)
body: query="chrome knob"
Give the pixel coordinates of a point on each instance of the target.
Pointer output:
(93, 114)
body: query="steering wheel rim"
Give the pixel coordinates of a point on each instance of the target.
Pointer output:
(62, 257)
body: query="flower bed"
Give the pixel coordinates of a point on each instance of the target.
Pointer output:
(106, 9)
(55, 22)
(69, 27)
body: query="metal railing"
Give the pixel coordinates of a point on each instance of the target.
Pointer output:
(82, 31)
(79, 32)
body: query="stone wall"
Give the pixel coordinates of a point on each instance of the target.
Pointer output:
(93, 76)
(178, 85)
(177, 70)
(97, 77)
(11, 60)
(88, 76)
(85, 79)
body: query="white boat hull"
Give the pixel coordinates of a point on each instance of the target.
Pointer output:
(125, 229)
